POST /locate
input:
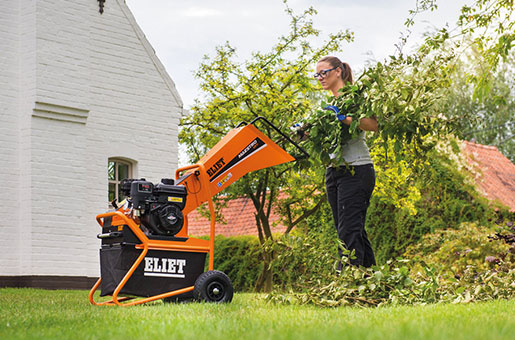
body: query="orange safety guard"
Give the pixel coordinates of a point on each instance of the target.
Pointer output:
(241, 151)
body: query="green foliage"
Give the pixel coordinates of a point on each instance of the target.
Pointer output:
(240, 257)
(395, 179)
(326, 137)
(304, 198)
(400, 281)
(293, 263)
(401, 94)
(491, 23)
(407, 92)
(411, 202)
(491, 120)
(455, 251)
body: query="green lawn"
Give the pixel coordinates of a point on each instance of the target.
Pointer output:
(32, 313)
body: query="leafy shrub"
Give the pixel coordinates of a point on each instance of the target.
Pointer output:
(295, 259)
(240, 258)
(412, 201)
(470, 246)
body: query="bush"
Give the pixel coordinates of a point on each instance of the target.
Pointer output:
(240, 258)
(436, 195)
(470, 246)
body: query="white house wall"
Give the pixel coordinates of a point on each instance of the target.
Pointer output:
(89, 87)
(9, 136)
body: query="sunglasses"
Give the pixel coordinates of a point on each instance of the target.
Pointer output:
(323, 73)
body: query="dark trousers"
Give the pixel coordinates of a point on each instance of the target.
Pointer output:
(348, 192)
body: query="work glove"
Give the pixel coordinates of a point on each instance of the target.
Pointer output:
(295, 127)
(336, 110)
(298, 129)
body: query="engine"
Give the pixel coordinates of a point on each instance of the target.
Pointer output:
(159, 207)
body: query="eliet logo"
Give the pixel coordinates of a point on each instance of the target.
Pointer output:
(164, 267)
(217, 166)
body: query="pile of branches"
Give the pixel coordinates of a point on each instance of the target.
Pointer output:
(393, 283)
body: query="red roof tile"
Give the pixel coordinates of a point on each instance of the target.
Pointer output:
(497, 173)
(239, 216)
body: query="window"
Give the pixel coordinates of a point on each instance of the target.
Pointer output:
(117, 170)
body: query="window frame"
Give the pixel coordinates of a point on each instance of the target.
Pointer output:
(116, 181)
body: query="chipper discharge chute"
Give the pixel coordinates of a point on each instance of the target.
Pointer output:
(146, 253)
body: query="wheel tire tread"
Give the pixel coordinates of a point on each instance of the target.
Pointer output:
(199, 291)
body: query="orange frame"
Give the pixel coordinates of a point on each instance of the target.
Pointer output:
(242, 150)
(191, 245)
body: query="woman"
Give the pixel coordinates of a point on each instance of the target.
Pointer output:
(350, 185)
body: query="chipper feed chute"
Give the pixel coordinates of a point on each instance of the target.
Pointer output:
(242, 150)
(146, 252)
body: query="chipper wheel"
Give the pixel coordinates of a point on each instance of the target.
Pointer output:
(213, 286)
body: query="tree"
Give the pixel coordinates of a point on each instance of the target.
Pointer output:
(491, 121)
(277, 86)
(405, 92)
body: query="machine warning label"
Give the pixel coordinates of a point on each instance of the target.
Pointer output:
(248, 150)
(226, 178)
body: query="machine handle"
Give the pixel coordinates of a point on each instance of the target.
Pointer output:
(114, 234)
(297, 157)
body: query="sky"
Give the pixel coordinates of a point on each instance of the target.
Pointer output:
(183, 32)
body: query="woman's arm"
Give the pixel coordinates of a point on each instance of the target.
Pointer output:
(365, 124)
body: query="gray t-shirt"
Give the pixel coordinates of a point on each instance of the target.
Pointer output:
(355, 151)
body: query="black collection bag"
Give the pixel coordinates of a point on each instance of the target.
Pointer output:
(160, 271)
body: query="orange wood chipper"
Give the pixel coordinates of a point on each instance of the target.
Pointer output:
(146, 253)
